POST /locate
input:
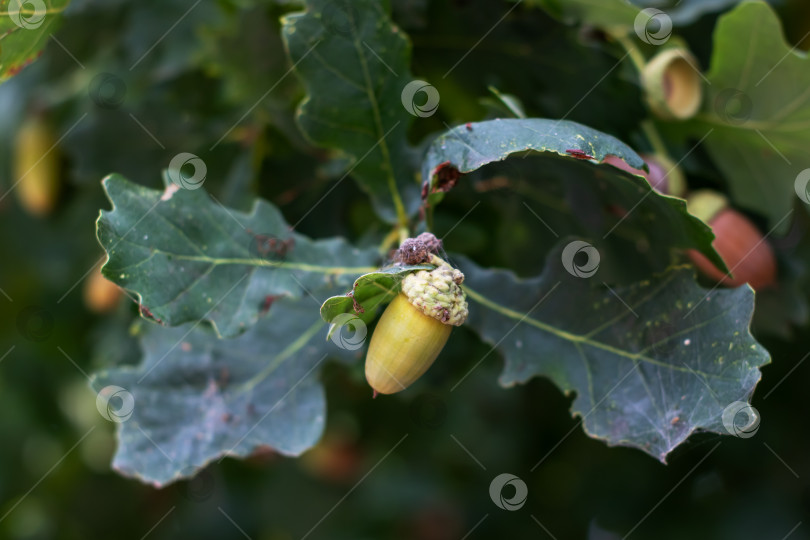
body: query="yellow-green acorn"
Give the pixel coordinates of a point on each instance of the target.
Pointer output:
(416, 324)
(36, 167)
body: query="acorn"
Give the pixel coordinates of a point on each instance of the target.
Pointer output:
(749, 258)
(100, 294)
(671, 80)
(664, 176)
(36, 167)
(415, 326)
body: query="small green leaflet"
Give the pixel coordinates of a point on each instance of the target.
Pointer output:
(369, 292)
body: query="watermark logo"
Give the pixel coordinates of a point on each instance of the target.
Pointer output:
(339, 17)
(653, 26)
(516, 501)
(200, 485)
(428, 410)
(733, 106)
(115, 404)
(585, 269)
(409, 93)
(179, 172)
(27, 14)
(107, 90)
(35, 324)
(269, 247)
(357, 331)
(801, 185)
(741, 419)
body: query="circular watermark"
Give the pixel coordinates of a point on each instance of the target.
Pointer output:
(516, 501)
(428, 410)
(35, 323)
(355, 325)
(583, 270)
(733, 106)
(200, 484)
(339, 17)
(179, 171)
(409, 94)
(27, 14)
(107, 90)
(802, 186)
(115, 404)
(653, 26)
(741, 419)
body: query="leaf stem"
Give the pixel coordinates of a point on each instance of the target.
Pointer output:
(404, 234)
(429, 216)
(632, 50)
(655, 139)
(647, 126)
(389, 240)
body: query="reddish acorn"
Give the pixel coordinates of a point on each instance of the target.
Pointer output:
(748, 256)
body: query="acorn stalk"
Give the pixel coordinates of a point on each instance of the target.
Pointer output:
(415, 326)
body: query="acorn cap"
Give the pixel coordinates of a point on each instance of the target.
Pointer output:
(672, 83)
(437, 293)
(705, 204)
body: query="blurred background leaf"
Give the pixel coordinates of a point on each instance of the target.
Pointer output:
(757, 109)
(25, 28)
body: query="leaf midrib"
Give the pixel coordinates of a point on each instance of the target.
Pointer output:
(577, 339)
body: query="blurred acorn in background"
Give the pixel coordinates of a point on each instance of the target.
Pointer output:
(100, 294)
(664, 176)
(36, 166)
(671, 81)
(748, 256)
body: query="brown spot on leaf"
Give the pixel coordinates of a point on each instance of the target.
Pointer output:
(446, 179)
(148, 314)
(355, 305)
(579, 154)
(224, 377)
(270, 245)
(268, 301)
